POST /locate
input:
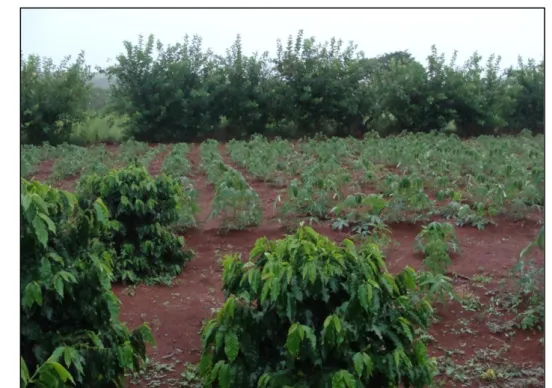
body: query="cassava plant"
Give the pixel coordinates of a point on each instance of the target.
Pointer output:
(236, 202)
(142, 208)
(436, 241)
(359, 210)
(528, 297)
(70, 329)
(306, 312)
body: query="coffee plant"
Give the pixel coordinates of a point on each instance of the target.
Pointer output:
(65, 342)
(306, 312)
(142, 207)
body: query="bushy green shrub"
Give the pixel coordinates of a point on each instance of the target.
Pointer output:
(70, 328)
(142, 208)
(305, 312)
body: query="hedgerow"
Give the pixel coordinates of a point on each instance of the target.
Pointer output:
(306, 312)
(70, 329)
(142, 208)
(183, 92)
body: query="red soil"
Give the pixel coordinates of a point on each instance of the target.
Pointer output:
(156, 166)
(44, 170)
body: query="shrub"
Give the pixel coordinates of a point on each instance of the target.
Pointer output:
(237, 203)
(435, 241)
(305, 312)
(63, 264)
(53, 98)
(142, 207)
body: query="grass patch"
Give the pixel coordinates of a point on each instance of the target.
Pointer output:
(99, 129)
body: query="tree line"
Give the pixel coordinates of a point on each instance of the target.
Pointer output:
(183, 92)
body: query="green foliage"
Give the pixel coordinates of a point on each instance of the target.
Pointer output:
(176, 164)
(436, 287)
(237, 203)
(528, 296)
(360, 210)
(31, 156)
(320, 86)
(63, 263)
(182, 92)
(527, 81)
(141, 207)
(53, 98)
(98, 128)
(436, 241)
(75, 160)
(306, 312)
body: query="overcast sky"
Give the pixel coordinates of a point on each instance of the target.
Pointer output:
(100, 33)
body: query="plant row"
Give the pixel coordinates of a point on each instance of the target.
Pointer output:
(235, 202)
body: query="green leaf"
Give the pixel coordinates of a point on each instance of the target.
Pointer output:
(275, 289)
(224, 376)
(293, 339)
(344, 379)
(358, 364)
(101, 211)
(58, 284)
(67, 276)
(48, 221)
(368, 364)
(207, 332)
(63, 374)
(309, 334)
(96, 340)
(24, 371)
(336, 323)
(57, 353)
(40, 230)
(32, 294)
(365, 296)
(205, 363)
(229, 307)
(264, 381)
(54, 256)
(25, 203)
(231, 345)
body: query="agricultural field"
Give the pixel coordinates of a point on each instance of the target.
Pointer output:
(464, 210)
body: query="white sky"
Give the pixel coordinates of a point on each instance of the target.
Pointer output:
(100, 33)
